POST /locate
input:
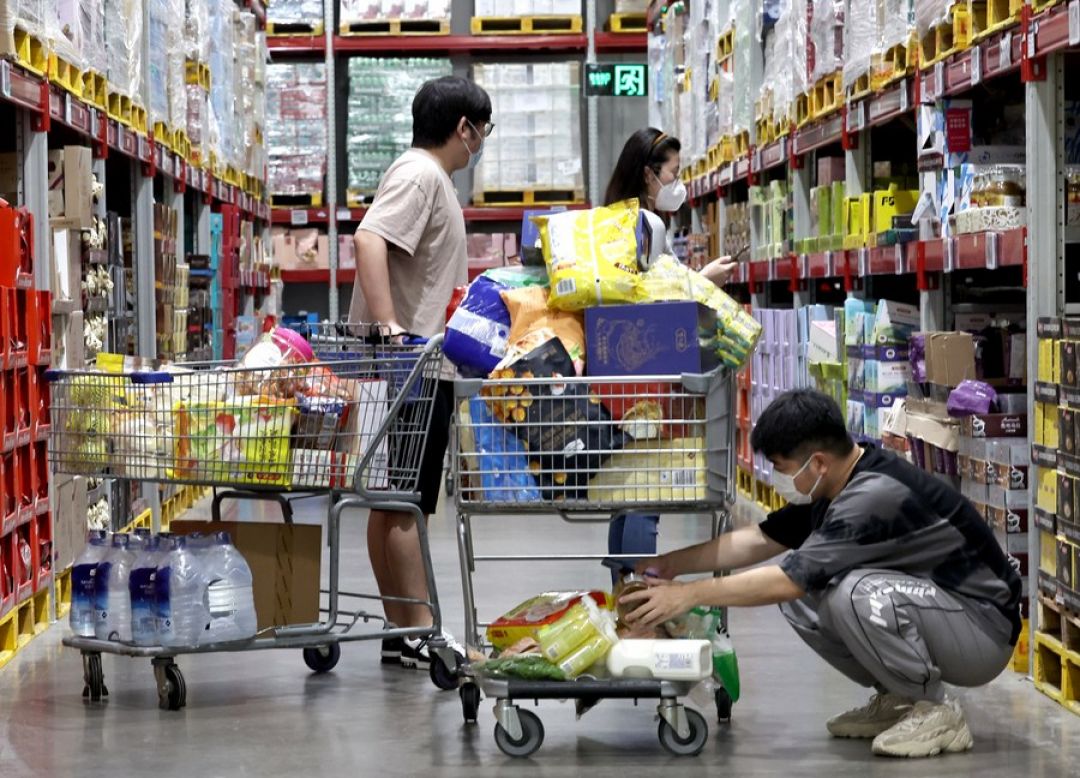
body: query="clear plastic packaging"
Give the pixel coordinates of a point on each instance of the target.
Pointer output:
(161, 20)
(123, 46)
(827, 37)
(197, 30)
(746, 38)
(930, 14)
(296, 127)
(897, 22)
(64, 30)
(861, 38)
(290, 11)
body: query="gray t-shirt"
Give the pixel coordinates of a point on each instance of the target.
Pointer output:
(417, 213)
(894, 516)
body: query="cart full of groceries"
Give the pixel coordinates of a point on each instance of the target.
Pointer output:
(336, 409)
(595, 383)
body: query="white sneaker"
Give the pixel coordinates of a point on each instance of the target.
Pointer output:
(882, 712)
(416, 652)
(931, 728)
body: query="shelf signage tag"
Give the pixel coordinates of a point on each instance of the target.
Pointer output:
(1005, 52)
(976, 65)
(1074, 23)
(621, 80)
(344, 214)
(298, 218)
(939, 80)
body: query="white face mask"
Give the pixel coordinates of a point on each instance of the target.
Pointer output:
(785, 486)
(474, 156)
(670, 197)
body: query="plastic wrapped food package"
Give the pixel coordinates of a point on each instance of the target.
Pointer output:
(477, 332)
(527, 619)
(529, 312)
(161, 20)
(592, 256)
(379, 124)
(745, 40)
(289, 11)
(222, 139)
(861, 38)
(296, 128)
(827, 29)
(896, 23)
(375, 10)
(538, 144)
(500, 458)
(123, 46)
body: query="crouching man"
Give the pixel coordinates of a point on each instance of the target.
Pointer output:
(892, 578)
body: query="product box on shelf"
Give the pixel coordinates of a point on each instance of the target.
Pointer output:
(950, 358)
(648, 339)
(70, 185)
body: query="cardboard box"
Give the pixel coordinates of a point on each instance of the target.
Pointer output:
(69, 520)
(648, 339)
(301, 250)
(1047, 490)
(830, 170)
(1064, 562)
(890, 203)
(285, 566)
(1067, 366)
(950, 358)
(71, 187)
(995, 425)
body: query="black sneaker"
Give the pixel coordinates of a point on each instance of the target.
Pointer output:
(416, 654)
(392, 650)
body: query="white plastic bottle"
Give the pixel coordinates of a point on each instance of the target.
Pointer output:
(229, 594)
(112, 601)
(82, 616)
(142, 585)
(662, 660)
(181, 597)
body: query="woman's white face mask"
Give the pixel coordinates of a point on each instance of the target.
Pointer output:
(670, 197)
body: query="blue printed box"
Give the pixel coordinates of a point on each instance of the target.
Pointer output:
(649, 339)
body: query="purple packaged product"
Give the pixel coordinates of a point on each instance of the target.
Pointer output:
(937, 458)
(949, 462)
(917, 355)
(918, 454)
(971, 397)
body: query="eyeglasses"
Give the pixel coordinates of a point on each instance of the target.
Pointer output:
(488, 129)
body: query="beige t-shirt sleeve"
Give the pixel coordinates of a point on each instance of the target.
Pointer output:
(402, 209)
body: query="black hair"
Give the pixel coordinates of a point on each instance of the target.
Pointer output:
(799, 422)
(645, 148)
(439, 105)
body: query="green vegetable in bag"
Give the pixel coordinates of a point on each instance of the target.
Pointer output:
(528, 667)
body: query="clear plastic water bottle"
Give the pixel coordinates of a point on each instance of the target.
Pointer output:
(229, 594)
(83, 573)
(112, 601)
(142, 585)
(181, 597)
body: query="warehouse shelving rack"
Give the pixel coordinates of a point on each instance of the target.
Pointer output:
(591, 43)
(1033, 49)
(136, 172)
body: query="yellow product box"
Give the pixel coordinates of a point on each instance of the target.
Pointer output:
(653, 471)
(892, 202)
(1048, 361)
(1047, 495)
(1048, 551)
(1051, 428)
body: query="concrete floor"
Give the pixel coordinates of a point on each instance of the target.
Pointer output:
(263, 714)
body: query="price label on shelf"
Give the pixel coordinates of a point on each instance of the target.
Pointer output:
(1074, 23)
(992, 251)
(1032, 36)
(898, 256)
(298, 218)
(344, 214)
(976, 65)
(939, 79)
(1005, 52)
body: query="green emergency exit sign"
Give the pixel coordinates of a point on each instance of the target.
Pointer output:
(616, 81)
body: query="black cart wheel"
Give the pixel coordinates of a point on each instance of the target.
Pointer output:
(723, 705)
(470, 702)
(322, 659)
(692, 744)
(443, 676)
(532, 736)
(172, 690)
(93, 678)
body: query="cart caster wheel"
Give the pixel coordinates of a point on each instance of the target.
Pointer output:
(322, 659)
(532, 736)
(693, 743)
(94, 678)
(443, 676)
(172, 690)
(723, 705)
(470, 702)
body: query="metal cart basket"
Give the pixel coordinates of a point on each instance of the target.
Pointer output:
(352, 425)
(586, 450)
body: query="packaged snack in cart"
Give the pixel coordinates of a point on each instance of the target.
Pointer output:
(258, 373)
(592, 256)
(579, 639)
(528, 618)
(529, 313)
(568, 434)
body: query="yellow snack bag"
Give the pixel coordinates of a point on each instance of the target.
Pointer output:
(592, 256)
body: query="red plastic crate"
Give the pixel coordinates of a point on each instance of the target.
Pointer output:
(18, 355)
(16, 247)
(9, 401)
(22, 406)
(43, 551)
(22, 568)
(7, 584)
(40, 418)
(39, 327)
(9, 493)
(39, 475)
(24, 483)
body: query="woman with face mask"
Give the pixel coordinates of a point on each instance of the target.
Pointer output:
(648, 169)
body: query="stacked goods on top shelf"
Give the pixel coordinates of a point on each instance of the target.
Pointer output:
(500, 17)
(123, 49)
(250, 58)
(196, 124)
(296, 132)
(878, 44)
(360, 17)
(295, 17)
(223, 140)
(535, 157)
(379, 124)
(166, 68)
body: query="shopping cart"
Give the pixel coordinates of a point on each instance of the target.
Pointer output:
(585, 449)
(352, 425)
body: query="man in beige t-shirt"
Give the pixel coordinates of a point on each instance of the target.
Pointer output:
(410, 255)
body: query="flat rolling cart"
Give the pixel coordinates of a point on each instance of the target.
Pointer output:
(584, 450)
(351, 425)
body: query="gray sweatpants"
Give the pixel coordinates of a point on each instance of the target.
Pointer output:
(902, 634)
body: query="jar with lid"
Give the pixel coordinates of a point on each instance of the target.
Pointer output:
(1005, 187)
